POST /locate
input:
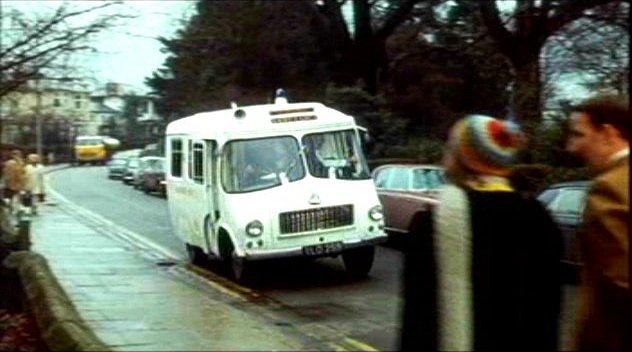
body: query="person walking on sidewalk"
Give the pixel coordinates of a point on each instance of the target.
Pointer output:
(34, 185)
(14, 178)
(600, 135)
(482, 271)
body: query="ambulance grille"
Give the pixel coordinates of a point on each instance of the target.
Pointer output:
(316, 219)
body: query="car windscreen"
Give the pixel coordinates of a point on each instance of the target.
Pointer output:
(89, 141)
(548, 195)
(569, 200)
(428, 178)
(153, 165)
(118, 162)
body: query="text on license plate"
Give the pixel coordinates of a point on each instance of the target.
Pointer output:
(323, 248)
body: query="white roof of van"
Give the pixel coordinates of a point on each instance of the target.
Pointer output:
(258, 119)
(88, 137)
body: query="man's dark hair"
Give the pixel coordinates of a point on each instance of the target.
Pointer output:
(608, 109)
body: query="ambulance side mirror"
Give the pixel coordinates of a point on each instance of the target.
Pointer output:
(365, 139)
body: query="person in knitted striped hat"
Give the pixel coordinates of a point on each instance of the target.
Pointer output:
(481, 150)
(482, 269)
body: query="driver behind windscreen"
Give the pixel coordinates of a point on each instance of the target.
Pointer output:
(270, 162)
(329, 156)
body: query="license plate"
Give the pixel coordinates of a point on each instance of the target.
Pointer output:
(322, 249)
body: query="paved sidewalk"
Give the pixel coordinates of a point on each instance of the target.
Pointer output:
(134, 304)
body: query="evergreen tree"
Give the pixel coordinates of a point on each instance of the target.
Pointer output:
(241, 51)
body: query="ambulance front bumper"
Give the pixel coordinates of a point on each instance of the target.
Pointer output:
(318, 250)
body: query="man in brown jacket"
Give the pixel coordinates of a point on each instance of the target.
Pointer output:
(599, 134)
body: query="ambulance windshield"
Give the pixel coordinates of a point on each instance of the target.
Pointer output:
(335, 154)
(255, 164)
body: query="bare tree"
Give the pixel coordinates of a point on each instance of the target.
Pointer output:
(361, 55)
(521, 40)
(596, 46)
(34, 44)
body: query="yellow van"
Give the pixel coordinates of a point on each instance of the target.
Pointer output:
(91, 149)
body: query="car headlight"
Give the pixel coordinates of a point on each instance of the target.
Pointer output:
(376, 213)
(254, 228)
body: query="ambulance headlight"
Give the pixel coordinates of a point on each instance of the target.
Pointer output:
(254, 228)
(376, 213)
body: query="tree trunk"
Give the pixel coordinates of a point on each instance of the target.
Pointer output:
(365, 60)
(527, 99)
(528, 90)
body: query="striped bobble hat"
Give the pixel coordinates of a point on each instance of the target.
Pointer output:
(487, 145)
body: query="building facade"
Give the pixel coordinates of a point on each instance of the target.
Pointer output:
(58, 108)
(66, 109)
(126, 116)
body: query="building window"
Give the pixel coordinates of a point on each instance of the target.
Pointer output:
(56, 102)
(78, 104)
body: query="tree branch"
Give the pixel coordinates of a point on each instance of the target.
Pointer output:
(398, 16)
(496, 29)
(567, 12)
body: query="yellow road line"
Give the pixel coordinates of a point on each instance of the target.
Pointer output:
(336, 347)
(361, 346)
(221, 284)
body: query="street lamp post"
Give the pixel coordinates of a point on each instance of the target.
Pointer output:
(38, 118)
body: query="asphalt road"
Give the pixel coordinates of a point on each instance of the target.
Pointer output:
(315, 295)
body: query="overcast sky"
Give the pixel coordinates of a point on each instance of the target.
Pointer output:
(130, 52)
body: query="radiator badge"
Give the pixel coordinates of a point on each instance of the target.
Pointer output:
(314, 199)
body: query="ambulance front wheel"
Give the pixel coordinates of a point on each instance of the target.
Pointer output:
(196, 254)
(240, 268)
(358, 261)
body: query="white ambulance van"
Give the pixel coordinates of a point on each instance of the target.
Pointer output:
(272, 181)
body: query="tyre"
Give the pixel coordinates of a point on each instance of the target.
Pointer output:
(358, 261)
(240, 268)
(196, 255)
(236, 268)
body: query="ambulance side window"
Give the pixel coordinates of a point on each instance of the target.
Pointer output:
(176, 157)
(190, 159)
(198, 163)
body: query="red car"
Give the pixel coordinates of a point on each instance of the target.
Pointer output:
(152, 177)
(405, 189)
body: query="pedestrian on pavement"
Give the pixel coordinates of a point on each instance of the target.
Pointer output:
(34, 185)
(14, 178)
(482, 272)
(600, 135)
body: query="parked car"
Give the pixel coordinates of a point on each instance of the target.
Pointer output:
(403, 190)
(565, 202)
(116, 167)
(131, 169)
(152, 178)
(144, 162)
